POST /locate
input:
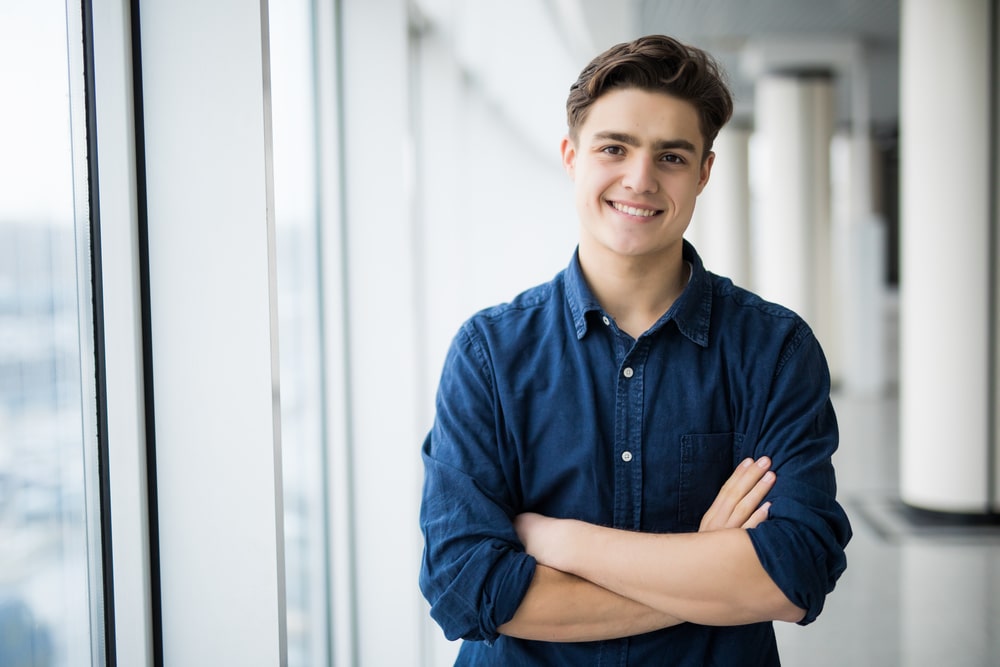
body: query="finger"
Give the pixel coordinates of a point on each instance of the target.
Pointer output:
(740, 497)
(752, 500)
(759, 516)
(727, 497)
(743, 480)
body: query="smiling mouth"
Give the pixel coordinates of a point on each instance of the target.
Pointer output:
(631, 210)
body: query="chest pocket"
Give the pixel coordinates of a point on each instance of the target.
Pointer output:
(707, 461)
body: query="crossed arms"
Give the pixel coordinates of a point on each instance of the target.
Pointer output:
(595, 583)
(748, 562)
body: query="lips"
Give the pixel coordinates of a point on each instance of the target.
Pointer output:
(635, 211)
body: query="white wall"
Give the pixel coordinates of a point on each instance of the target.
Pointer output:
(492, 204)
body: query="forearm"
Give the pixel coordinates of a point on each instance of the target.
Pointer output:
(561, 607)
(711, 578)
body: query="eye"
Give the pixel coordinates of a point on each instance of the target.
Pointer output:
(673, 158)
(613, 150)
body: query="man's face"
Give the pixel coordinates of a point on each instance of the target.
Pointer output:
(637, 169)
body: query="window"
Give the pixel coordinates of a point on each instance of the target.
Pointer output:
(51, 609)
(293, 99)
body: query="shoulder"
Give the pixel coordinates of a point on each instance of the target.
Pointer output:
(756, 321)
(742, 302)
(509, 334)
(527, 309)
(738, 303)
(528, 315)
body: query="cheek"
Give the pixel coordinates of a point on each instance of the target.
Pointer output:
(594, 182)
(685, 191)
(591, 198)
(585, 186)
(583, 198)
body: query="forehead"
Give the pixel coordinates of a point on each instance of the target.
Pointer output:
(652, 116)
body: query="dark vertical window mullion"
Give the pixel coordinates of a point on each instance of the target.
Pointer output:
(100, 348)
(142, 219)
(993, 288)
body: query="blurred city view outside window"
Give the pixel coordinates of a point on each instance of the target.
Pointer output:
(48, 613)
(293, 99)
(46, 439)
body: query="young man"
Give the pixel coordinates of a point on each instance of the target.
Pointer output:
(630, 465)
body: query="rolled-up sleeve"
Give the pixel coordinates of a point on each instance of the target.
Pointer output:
(801, 545)
(474, 570)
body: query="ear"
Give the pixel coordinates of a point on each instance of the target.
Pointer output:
(568, 149)
(706, 171)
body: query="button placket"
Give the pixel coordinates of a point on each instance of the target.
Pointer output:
(631, 356)
(628, 372)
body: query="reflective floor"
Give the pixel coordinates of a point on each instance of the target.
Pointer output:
(917, 592)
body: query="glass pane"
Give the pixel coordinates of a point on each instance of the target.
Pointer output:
(49, 596)
(294, 137)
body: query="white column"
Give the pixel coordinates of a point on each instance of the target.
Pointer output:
(791, 230)
(859, 269)
(946, 397)
(720, 229)
(213, 317)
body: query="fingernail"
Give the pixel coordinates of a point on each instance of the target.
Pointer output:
(763, 462)
(769, 476)
(746, 463)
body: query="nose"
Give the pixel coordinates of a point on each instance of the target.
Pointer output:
(640, 176)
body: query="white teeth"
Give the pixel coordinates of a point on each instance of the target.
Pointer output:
(641, 212)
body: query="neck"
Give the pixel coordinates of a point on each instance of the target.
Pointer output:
(636, 291)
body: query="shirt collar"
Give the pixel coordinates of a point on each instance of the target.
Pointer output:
(581, 300)
(692, 311)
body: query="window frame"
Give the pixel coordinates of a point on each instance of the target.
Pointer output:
(120, 290)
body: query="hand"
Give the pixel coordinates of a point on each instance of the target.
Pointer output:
(540, 535)
(738, 504)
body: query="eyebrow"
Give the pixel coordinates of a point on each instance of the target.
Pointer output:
(663, 144)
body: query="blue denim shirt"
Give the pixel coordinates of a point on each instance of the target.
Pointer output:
(544, 405)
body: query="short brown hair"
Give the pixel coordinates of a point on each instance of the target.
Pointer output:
(661, 64)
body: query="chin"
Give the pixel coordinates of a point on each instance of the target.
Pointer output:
(646, 248)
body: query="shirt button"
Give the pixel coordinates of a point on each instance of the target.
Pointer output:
(626, 456)
(606, 320)
(628, 372)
